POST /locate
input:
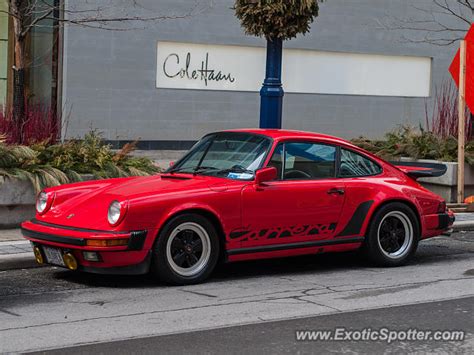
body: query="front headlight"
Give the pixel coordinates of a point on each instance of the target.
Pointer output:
(43, 202)
(115, 212)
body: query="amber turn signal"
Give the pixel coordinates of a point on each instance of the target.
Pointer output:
(106, 242)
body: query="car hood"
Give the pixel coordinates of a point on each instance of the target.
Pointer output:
(85, 205)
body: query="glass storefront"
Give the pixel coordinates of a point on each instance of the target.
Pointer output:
(41, 59)
(42, 55)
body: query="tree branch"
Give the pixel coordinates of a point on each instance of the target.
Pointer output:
(32, 24)
(449, 18)
(97, 17)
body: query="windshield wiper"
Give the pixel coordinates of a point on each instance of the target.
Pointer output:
(194, 171)
(177, 170)
(201, 169)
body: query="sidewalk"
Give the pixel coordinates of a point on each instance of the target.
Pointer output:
(464, 222)
(16, 252)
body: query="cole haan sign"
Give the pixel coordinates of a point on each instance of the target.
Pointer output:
(238, 68)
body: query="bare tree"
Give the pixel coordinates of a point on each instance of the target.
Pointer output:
(114, 15)
(436, 22)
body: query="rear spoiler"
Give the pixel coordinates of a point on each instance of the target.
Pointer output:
(418, 170)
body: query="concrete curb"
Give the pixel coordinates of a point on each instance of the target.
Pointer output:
(463, 226)
(18, 261)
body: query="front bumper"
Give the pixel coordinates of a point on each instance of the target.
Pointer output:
(134, 269)
(132, 258)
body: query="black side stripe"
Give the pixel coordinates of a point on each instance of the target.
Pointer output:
(355, 224)
(302, 245)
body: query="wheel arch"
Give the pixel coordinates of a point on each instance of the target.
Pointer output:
(407, 203)
(206, 213)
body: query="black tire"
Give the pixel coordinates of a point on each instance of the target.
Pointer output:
(384, 235)
(168, 262)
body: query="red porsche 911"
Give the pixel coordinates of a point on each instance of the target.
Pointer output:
(240, 195)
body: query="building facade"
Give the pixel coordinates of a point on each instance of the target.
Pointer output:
(169, 82)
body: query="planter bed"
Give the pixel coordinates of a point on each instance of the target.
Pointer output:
(17, 201)
(446, 185)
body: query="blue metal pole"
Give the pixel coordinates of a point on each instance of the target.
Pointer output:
(271, 94)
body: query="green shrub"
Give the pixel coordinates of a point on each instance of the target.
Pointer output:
(415, 143)
(51, 165)
(282, 19)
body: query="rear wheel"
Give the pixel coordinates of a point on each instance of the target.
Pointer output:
(393, 235)
(186, 251)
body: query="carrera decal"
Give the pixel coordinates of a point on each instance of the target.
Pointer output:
(355, 224)
(237, 235)
(281, 232)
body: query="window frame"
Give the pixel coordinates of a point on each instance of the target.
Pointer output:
(360, 154)
(305, 141)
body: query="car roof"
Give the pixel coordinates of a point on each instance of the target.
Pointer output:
(284, 134)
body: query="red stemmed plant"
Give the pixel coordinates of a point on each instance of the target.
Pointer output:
(41, 124)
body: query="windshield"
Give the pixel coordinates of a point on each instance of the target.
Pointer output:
(232, 155)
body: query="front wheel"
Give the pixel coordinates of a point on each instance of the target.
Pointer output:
(186, 250)
(393, 235)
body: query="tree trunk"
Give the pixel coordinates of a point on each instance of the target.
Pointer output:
(19, 83)
(19, 97)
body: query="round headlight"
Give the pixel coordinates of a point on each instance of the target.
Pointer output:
(115, 212)
(42, 202)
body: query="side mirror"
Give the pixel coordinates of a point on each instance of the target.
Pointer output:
(265, 174)
(171, 163)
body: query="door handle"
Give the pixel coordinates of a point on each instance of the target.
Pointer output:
(336, 191)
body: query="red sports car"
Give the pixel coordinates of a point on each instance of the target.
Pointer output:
(240, 195)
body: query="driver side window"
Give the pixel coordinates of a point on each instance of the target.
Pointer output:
(304, 161)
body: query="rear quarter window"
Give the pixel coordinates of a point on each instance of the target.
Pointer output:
(356, 165)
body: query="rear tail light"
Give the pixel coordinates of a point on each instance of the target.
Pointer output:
(442, 207)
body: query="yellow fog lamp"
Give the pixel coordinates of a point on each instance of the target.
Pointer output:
(38, 255)
(70, 261)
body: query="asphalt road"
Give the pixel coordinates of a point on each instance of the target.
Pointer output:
(280, 336)
(242, 306)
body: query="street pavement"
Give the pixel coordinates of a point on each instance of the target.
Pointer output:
(280, 336)
(50, 308)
